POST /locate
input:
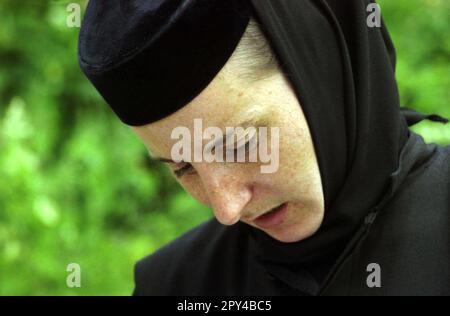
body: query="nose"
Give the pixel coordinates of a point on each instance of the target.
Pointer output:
(227, 191)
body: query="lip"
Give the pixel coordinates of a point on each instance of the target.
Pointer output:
(272, 218)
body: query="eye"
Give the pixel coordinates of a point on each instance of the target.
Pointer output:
(187, 168)
(250, 144)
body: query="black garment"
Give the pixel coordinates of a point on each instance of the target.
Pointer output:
(408, 237)
(386, 192)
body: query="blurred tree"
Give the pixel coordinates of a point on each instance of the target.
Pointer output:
(75, 184)
(419, 30)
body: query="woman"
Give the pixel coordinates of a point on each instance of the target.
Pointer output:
(359, 205)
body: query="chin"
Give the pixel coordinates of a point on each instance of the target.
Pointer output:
(295, 232)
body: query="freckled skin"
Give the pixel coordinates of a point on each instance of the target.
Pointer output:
(239, 191)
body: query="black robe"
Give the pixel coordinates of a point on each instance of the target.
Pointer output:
(387, 193)
(409, 238)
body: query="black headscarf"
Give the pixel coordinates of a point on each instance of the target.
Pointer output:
(343, 72)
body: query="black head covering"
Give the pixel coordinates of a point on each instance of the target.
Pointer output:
(343, 72)
(149, 58)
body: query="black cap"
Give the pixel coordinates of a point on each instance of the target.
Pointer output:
(149, 58)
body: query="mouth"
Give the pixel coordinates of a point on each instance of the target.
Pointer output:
(273, 218)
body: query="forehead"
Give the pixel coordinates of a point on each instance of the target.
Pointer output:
(219, 105)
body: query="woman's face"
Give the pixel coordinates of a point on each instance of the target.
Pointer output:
(240, 191)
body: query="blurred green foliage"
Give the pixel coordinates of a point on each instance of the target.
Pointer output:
(76, 185)
(419, 29)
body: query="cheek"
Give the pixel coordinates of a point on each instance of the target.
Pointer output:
(193, 186)
(296, 151)
(296, 163)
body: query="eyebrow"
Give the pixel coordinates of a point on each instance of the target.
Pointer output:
(164, 160)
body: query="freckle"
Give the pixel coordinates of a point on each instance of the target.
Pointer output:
(241, 94)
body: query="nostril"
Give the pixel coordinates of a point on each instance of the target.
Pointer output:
(227, 219)
(228, 199)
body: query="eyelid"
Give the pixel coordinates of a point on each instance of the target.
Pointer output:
(181, 171)
(247, 136)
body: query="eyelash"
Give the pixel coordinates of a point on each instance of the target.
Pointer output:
(184, 170)
(188, 167)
